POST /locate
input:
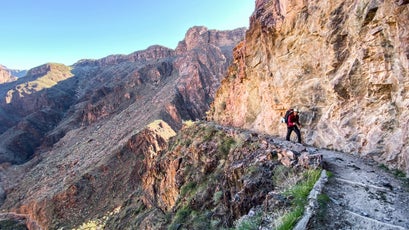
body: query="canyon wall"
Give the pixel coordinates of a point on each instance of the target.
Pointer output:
(344, 64)
(75, 141)
(6, 75)
(174, 85)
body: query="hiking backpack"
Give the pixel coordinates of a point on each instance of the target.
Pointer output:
(287, 114)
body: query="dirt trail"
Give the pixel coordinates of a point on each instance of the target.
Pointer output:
(361, 196)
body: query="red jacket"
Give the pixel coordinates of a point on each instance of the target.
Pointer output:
(293, 120)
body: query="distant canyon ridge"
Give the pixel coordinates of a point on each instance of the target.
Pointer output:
(9, 75)
(174, 85)
(63, 123)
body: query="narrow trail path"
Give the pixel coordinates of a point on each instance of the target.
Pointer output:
(361, 195)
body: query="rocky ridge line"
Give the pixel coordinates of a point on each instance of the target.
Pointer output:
(89, 151)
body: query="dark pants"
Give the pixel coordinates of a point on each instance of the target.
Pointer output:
(296, 130)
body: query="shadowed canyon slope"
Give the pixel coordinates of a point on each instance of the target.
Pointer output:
(343, 63)
(6, 75)
(39, 109)
(68, 122)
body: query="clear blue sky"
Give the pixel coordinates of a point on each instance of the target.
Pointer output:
(34, 32)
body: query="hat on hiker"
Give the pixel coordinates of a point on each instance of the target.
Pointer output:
(296, 110)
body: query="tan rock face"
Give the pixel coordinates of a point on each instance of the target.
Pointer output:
(343, 63)
(5, 75)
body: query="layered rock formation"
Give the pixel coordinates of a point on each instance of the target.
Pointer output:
(208, 178)
(81, 129)
(6, 75)
(343, 63)
(174, 85)
(31, 107)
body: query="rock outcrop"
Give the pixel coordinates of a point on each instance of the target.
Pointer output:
(155, 180)
(84, 127)
(52, 99)
(30, 108)
(6, 75)
(343, 63)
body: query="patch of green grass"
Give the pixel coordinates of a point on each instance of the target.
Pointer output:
(180, 218)
(291, 218)
(187, 188)
(299, 194)
(329, 174)
(250, 223)
(323, 199)
(399, 173)
(284, 177)
(225, 145)
(217, 196)
(396, 172)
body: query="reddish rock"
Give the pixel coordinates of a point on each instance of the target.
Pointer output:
(95, 146)
(5, 75)
(344, 64)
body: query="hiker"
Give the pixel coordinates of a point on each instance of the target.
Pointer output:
(292, 125)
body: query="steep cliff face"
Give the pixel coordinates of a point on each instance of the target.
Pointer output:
(96, 140)
(204, 57)
(31, 107)
(207, 177)
(343, 63)
(157, 179)
(6, 75)
(158, 82)
(65, 188)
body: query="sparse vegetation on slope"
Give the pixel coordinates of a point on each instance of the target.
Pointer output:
(211, 176)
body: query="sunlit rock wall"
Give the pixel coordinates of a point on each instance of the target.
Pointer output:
(343, 63)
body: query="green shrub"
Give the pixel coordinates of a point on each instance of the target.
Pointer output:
(217, 196)
(208, 133)
(250, 222)
(284, 177)
(188, 142)
(225, 146)
(329, 174)
(180, 218)
(187, 188)
(201, 220)
(399, 173)
(291, 218)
